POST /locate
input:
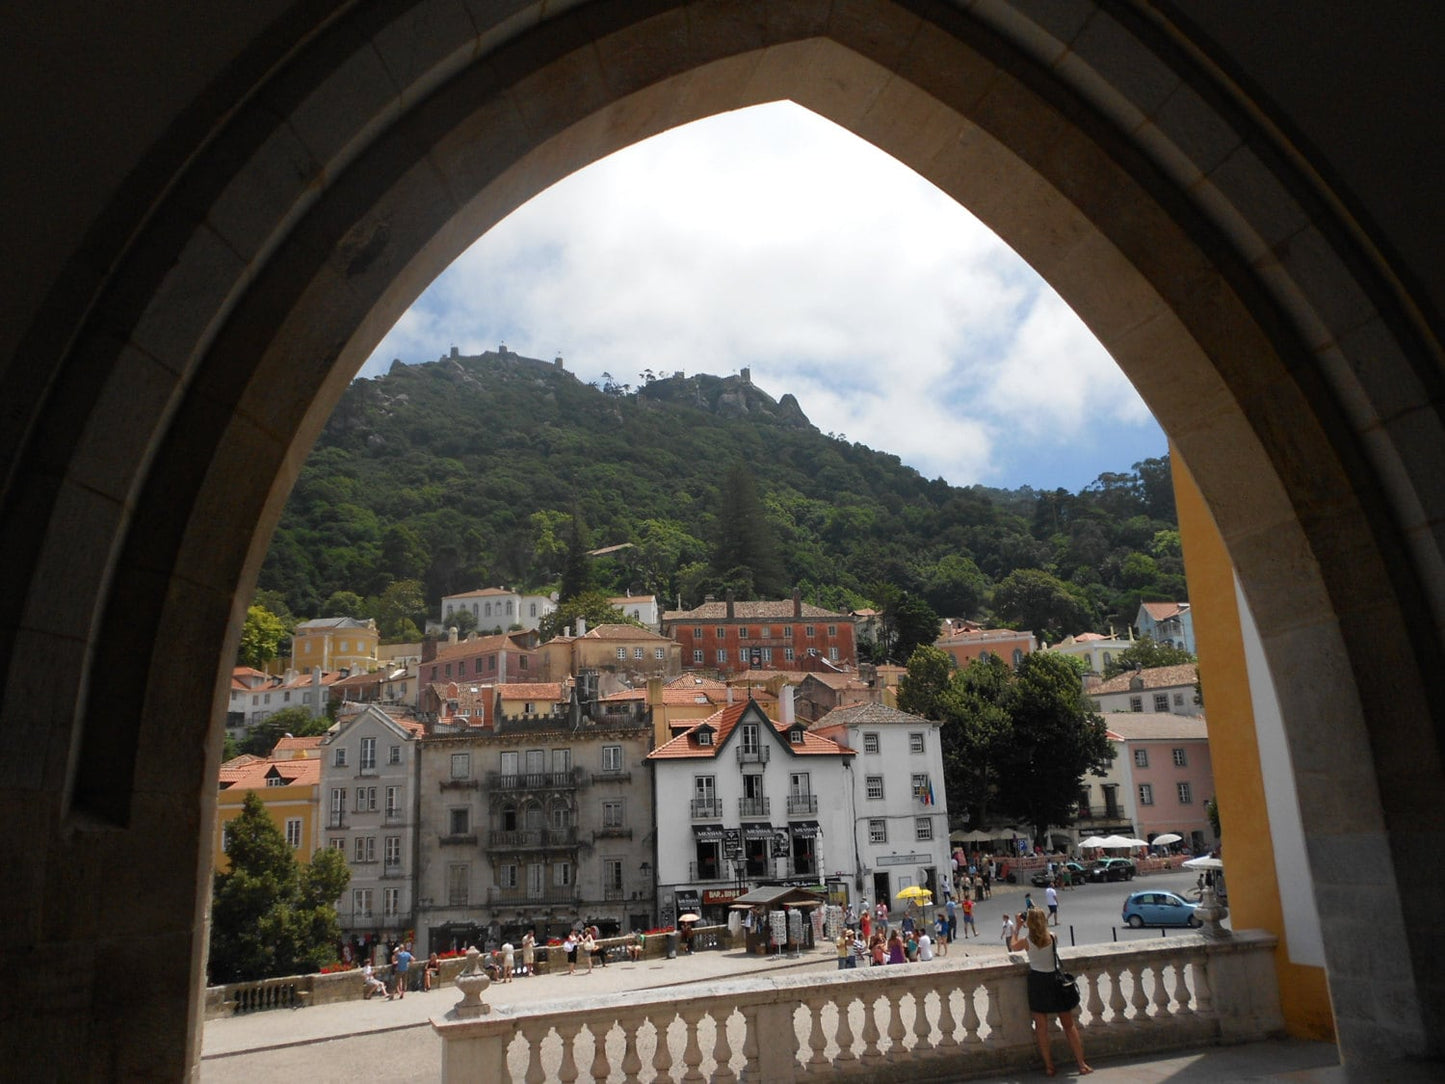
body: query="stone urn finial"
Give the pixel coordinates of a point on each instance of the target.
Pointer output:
(472, 982)
(1211, 912)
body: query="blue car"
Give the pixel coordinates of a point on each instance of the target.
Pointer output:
(1158, 909)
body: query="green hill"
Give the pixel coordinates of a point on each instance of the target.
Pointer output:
(467, 472)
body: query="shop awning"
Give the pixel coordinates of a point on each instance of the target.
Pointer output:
(806, 829)
(757, 831)
(708, 833)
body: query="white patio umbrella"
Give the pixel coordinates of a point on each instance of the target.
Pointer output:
(1093, 841)
(1115, 842)
(1166, 839)
(1204, 862)
(1136, 843)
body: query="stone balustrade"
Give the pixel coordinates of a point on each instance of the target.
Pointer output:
(941, 1021)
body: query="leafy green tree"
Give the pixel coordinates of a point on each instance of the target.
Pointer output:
(275, 601)
(593, 606)
(1145, 653)
(345, 604)
(745, 555)
(298, 722)
(956, 587)
(1055, 738)
(400, 610)
(261, 637)
(577, 566)
(269, 916)
(404, 553)
(1032, 599)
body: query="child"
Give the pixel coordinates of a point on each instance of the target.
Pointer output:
(370, 983)
(941, 928)
(1008, 929)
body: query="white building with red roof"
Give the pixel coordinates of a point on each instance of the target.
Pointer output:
(498, 608)
(738, 804)
(1168, 623)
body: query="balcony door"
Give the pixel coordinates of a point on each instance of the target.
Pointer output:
(536, 879)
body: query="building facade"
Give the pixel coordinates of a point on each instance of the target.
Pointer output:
(730, 637)
(535, 823)
(967, 642)
(335, 643)
(625, 654)
(479, 659)
(1170, 689)
(1169, 767)
(288, 788)
(1169, 623)
(498, 608)
(369, 790)
(897, 807)
(759, 797)
(1097, 650)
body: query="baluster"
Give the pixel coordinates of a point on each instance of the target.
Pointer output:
(947, 1025)
(534, 1034)
(922, 1028)
(971, 1021)
(1094, 1003)
(692, 1049)
(662, 1055)
(752, 1070)
(845, 1030)
(631, 1023)
(722, 1051)
(1139, 999)
(1203, 987)
(1181, 989)
(871, 1054)
(995, 1014)
(817, 1040)
(568, 1030)
(896, 1031)
(601, 1066)
(1117, 1004)
(1161, 995)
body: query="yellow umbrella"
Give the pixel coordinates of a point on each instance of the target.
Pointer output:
(916, 894)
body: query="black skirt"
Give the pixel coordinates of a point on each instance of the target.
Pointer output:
(1046, 995)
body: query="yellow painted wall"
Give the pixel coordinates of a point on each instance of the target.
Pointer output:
(283, 803)
(1254, 891)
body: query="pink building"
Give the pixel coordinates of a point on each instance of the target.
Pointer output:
(1165, 759)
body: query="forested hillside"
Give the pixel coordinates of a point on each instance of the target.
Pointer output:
(469, 472)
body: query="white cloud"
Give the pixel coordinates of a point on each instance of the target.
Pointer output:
(771, 239)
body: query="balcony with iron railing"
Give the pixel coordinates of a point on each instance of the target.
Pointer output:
(611, 831)
(458, 839)
(523, 897)
(532, 838)
(707, 871)
(706, 809)
(612, 777)
(754, 754)
(802, 805)
(754, 807)
(566, 780)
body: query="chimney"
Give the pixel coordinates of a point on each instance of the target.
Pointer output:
(730, 605)
(785, 703)
(581, 626)
(659, 713)
(730, 695)
(452, 635)
(428, 649)
(797, 603)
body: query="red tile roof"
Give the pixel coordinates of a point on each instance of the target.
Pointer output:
(537, 690)
(723, 723)
(1162, 611)
(752, 611)
(1156, 725)
(1153, 677)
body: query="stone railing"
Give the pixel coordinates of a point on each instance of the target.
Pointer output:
(931, 1022)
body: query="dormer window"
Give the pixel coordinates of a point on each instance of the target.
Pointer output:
(795, 735)
(703, 735)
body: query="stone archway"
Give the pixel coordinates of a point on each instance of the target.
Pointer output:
(185, 380)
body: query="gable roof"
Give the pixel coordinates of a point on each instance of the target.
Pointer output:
(753, 611)
(1153, 677)
(552, 691)
(1155, 725)
(289, 747)
(319, 623)
(613, 631)
(872, 714)
(1162, 611)
(303, 771)
(482, 644)
(723, 723)
(484, 592)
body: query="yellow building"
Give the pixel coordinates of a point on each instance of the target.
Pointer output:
(1263, 841)
(289, 788)
(627, 651)
(336, 643)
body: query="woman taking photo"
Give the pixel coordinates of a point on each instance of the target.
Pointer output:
(1046, 995)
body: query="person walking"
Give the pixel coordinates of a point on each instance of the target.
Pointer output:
(569, 946)
(401, 960)
(588, 947)
(1008, 930)
(969, 926)
(509, 961)
(941, 928)
(865, 925)
(952, 908)
(925, 947)
(1046, 993)
(529, 953)
(845, 949)
(880, 916)
(1051, 898)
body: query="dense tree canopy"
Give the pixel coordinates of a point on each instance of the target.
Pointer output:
(271, 915)
(261, 637)
(298, 722)
(1146, 652)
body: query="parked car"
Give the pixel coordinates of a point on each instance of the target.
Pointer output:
(1112, 869)
(1158, 909)
(1078, 874)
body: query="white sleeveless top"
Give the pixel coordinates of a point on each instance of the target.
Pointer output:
(1041, 959)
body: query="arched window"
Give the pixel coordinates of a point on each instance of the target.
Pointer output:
(533, 817)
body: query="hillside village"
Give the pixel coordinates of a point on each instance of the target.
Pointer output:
(626, 773)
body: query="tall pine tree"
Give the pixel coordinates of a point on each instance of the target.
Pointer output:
(746, 557)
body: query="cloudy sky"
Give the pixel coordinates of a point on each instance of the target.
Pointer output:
(772, 239)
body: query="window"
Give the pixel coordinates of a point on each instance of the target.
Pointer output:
(878, 830)
(612, 758)
(915, 742)
(561, 761)
(561, 818)
(873, 786)
(808, 630)
(720, 632)
(788, 634)
(461, 765)
(336, 843)
(659, 652)
(1181, 758)
(459, 822)
(697, 656)
(795, 736)
(742, 632)
(612, 814)
(833, 654)
(637, 652)
(767, 655)
(765, 633)
(750, 737)
(562, 874)
(1186, 796)
(1136, 703)
(391, 902)
(923, 828)
(1146, 794)
(458, 877)
(612, 874)
(368, 754)
(788, 654)
(722, 656)
(697, 634)
(449, 668)
(393, 801)
(361, 902)
(1161, 701)
(832, 630)
(275, 781)
(339, 760)
(393, 850)
(919, 784)
(704, 736)
(338, 802)
(363, 849)
(507, 875)
(753, 787)
(1178, 700)
(532, 609)
(394, 756)
(1141, 758)
(511, 763)
(870, 742)
(622, 653)
(366, 799)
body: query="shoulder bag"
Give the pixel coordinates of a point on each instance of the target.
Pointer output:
(1069, 995)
